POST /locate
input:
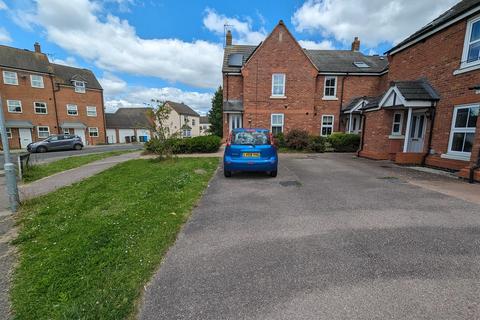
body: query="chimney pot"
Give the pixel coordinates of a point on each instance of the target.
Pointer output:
(356, 44)
(228, 38)
(37, 47)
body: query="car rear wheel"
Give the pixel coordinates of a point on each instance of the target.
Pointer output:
(77, 147)
(273, 173)
(227, 173)
(41, 149)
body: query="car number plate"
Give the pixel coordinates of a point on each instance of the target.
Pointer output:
(251, 154)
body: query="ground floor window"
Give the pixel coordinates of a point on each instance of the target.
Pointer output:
(327, 125)
(93, 132)
(43, 132)
(397, 124)
(66, 131)
(187, 133)
(464, 125)
(277, 123)
(9, 133)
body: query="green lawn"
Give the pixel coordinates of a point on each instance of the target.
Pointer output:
(87, 250)
(35, 172)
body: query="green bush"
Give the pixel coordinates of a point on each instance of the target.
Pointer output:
(297, 139)
(316, 144)
(279, 139)
(344, 142)
(202, 144)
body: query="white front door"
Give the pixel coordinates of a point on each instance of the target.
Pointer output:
(416, 140)
(25, 137)
(81, 134)
(234, 121)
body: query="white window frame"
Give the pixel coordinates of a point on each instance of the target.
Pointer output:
(66, 130)
(193, 121)
(76, 110)
(38, 131)
(277, 124)
(89, 111)
(328, 125)
(93, 130)
(80, 86)
(278, 95)
(467, 43)
(35, 107)
(453, 130)
(9, 133)
(400, 123)
(5, 77)
(334, 96)
(38, 79)
(186, 133)
(19, 103)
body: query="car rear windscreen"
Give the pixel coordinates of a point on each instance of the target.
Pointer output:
(253, 137)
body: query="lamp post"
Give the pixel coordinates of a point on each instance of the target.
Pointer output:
(11, 179)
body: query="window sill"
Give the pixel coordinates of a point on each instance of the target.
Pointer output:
(11, 84)
(278, 97)
(456, 156)
(330, 98)
(396, 137)
(465, 69)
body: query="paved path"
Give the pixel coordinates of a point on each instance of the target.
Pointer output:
(51, 183)
(333, 237)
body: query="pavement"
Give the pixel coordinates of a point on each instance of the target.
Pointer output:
(332, 237)
(57, 155)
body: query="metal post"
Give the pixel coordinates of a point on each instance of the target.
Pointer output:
(11, 179)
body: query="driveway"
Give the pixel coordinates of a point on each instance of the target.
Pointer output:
(333, 237)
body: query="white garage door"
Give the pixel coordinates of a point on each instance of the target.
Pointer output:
(112, 136)
(143, 135)
(122, 133)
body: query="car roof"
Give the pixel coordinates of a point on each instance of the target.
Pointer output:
(250, 129)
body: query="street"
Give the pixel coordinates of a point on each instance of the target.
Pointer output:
(333, 237)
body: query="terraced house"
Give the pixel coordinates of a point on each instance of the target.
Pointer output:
(417, 105)
(40, 98)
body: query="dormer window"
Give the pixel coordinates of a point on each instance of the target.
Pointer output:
(79, 86)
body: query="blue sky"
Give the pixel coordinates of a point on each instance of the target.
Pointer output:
(144, 49)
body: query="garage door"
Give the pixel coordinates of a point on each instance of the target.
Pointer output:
(111, 136)
(122, 133)
(143, 135)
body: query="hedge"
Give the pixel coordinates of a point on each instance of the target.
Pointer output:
(344, 142)
(202, 144)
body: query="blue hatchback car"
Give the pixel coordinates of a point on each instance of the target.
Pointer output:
(250, 150)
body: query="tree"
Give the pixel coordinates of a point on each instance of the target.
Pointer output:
(215, 115)
(160, 144)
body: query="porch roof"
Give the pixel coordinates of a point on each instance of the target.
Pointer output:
(409, 94)
(233, 106)
(72, 125)
(18, 124)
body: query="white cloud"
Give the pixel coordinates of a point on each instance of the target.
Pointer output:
(243, 32)
(112, 85)
(113, 44)
(69, 61)
(140, 96)
(322, 45)
(4, 35)
(3, 6)
(374, 21)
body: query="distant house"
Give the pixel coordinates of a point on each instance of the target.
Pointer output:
(183, 120)
(128, 125)
(204, 126)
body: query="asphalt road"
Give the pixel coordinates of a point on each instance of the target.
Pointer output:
(332, 237)
(57, 155)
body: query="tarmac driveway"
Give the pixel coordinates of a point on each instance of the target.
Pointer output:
(333, 237)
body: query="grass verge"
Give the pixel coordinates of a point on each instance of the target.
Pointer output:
(38, 171)
(87, 250)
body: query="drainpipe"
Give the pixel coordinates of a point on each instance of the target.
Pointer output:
(430, 136)
(341, 99)
(55, 102)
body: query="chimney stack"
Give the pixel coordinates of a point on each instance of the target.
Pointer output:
(356, 44)
(37, 47)
(228, 38)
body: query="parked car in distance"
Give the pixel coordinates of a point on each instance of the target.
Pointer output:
(250, 150)
(57, 142)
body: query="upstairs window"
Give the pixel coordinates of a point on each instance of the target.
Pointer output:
(91, 111)
(277, 123)
(327, 125)
(278, 85)
(193, 122)
(464, 125)
(40, 107)
(36, 81)
(10, 77)
(397, 124)
(79, 86)
(330, 88)
(471, 50)
(14, 106)
(72, 110)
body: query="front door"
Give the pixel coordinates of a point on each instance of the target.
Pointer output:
(25, 137)
(416, 140)
(81, 134)
(235, 121)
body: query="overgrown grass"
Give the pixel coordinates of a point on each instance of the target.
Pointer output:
(87, 250)
(38, 171)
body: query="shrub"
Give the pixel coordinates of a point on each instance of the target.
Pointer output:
(316, 144)
(279, 139)
(203, 144)
(344, 142)
(297, 139)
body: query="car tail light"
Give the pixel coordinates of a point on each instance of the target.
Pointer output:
(272, 140)
(229, 140)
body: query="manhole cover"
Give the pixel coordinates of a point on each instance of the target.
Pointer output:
(292, 183)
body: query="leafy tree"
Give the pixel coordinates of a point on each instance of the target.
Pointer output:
(215, 115)
(159, 143)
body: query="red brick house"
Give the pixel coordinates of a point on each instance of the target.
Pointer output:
(40, 98)
(279, 85)
(429, 115)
